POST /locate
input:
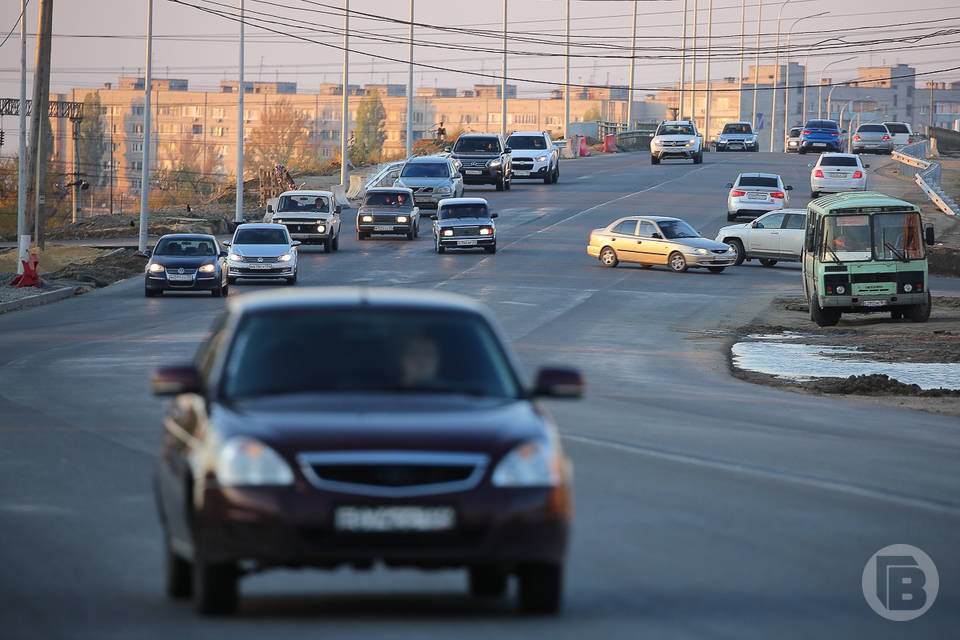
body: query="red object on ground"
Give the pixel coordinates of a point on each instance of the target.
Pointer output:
(610, 143)
(584, 151)
(29, 277)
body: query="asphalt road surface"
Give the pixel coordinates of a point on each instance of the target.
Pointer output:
(707, 507)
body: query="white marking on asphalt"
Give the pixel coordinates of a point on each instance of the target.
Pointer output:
(770, 474)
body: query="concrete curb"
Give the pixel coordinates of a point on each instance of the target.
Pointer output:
(38, 300)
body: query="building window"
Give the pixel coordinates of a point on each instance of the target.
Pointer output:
(138, 110)
(197, 129)
(553, 121)
(218, 113)
(137, 147)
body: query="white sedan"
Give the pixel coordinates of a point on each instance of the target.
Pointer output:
(775, 236)
(836, 173)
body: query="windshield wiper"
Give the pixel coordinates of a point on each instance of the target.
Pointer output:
(896, 252)
(437, 388)
(836, 258)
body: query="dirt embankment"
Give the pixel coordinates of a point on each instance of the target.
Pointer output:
(80, 268)
(214, 219)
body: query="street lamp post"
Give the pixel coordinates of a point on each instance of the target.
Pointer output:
(241, 91)
(830, 100)
(776, 72)
(820, 86)
(23, 238)
(503, 80)
(145, 167)
(683, 60)
(633, 63)
(806, 65)
(756, 64)
(566, 73)
(345, 101)
(693, 67)
(706, 115)
(743, 17)
(786, 88)
(410, 89)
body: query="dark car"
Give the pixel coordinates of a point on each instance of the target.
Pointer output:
(484, 159)
(389, 210)
(823, 135)
(400, 433)
(186, 262)
(464, 223)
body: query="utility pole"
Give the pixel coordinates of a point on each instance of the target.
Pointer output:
(145, 171)
(693, 67)
(633, 63)
(241, 90)
(683, 61)
(706, 118)
(75, 126)
(345, 105)
(776, 75)
(503, 80)
(23, 238)
(111, 159)
(743, 18)
(410, 90)
(930, 86)
(566, 88)
(41, 97)
(756, 68)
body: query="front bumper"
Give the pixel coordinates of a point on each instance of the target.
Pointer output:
(383, 227)
(200, 282)
(535, 170)
(485, 175)
(793, 146)
(736, 145)
(872, 302)
(269, 271)
(668, 153)
(467, 242)
(710, 260)
(294, 526)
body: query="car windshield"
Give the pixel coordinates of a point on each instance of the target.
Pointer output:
(425, 170)
(846, 238)
(526, 142)
(872, 128)
(372, 350)
(477, 145)
(838, 161)
(260, 236)
(737, 128)
(185, 247)
(822, 124)
(795, 132)
(896, 127)
(673, 229)
(897, 236)
(387, 199)
(675, 130)
(305, 203)
(454, 211)
(758, 181)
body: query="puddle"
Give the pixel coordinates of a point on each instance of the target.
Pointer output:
(799, 362)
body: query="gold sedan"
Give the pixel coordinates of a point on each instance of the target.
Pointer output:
(656, 240)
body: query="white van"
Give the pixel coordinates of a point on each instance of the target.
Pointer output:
(901, 132)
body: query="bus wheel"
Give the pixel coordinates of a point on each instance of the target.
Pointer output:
(823, 317)
(920, 312)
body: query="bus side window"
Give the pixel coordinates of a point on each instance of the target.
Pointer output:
(811, 234)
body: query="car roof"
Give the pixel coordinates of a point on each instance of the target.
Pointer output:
(356, 297)
(651, 218)
(307, 192)
(448, 201)
(389, 190)
(260, 225)
(862, 199)
(479, 135)
(428, 160)
(528, 133)
(187, 236)
(758, 175)
(803, 211)
(737, 122)
(834, 154)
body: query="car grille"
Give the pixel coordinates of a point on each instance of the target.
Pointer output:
(259, 272)
(523, 166)
(302, 227)
(260, 259)
(473, 164)
(466, 231)
(393, 473)
(418, 190)
(674, 143)
(719, 250)
(384, 218)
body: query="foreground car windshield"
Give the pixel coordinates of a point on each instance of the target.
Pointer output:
(184, 247)
(677, 229)
(464, 211)
(260, 236)
(675, 130)
(366, 351)
(526, 142)
(758, 181)
(289, 204)
(477, 145)
(425, 170)
(386, 200)
(736, 128)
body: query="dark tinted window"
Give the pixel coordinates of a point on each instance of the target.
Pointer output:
(675, 130)
(838, 161)
(387, 199)
(795, 132)
(260, 236)
(758, 181)
(795, 221)
(897, 127)
(425, 170)
(185, 247)
(677, 229)
(477, 144)
(822, 124)
(872, 128)
(366, 350)
(526, 142)
(304, 203)
(453, 211)
(737, 128)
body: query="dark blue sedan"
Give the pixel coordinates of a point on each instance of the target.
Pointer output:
(186, 262)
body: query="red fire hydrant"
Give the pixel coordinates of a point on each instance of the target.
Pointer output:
(29, 277)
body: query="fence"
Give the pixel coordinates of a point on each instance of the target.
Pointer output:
(926, 174)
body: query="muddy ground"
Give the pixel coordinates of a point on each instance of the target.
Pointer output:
(91, 272)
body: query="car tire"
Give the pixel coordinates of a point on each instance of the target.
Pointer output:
(336, 242)
(919, 312)
(540, 587)
(731, 217)
(654, 160)
(177, 575)
(822, 317)
(487, 581)
(327, 246)
(501, 184)
(439, 248)
(231, 280)
(507, 184)
(409, 235)
(215, 588)
(225, 289)
(896, 314)
(491, 249)
(216, 292)
(608, 257)
(716, 269)
(292, 280)
(767, 262)
(361, 236)
(151, 293)
(556, 174)
(548, 179)
(677, 262)
(801, 151)
(814, 194)
(737, 246)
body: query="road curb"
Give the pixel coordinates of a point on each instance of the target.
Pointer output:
(38, 300)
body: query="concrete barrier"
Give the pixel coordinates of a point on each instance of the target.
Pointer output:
(913, 161)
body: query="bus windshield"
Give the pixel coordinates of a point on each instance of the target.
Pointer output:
(897, 236)
(881, 236)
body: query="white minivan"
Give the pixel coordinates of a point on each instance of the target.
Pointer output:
(901, 132)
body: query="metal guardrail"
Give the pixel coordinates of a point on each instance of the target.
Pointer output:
(926, 175)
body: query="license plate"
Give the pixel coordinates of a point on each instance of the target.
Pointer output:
(383, 227)
(473, 172)
(757, 196)
(819, 144)
(840, 175)
(873, 303)
(521, 173)
(177, 277)
(393, 518)
(259, 266)
(466, 243)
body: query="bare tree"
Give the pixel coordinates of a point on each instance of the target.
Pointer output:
(281, 137)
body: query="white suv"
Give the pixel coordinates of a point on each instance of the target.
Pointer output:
(676, 139)
(534, 156)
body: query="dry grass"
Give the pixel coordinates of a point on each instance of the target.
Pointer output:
(54, 258)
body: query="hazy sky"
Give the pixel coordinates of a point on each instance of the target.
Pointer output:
(97, 40)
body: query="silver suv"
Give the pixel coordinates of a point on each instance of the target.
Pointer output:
(676, 139)
(431, 178)
(737, 136)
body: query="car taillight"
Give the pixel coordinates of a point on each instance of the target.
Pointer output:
(886, 137)
(736, 193)
(856, 136)
(857, 174)
(818, 173)
(776, 194)
(835, 133)
(805, 132)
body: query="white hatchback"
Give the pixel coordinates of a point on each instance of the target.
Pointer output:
(836, 173)
(754, 194)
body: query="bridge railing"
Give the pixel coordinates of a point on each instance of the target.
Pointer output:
(926, 173)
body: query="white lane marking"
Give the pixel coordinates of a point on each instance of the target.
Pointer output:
(770, 474)
(584, 177)
(524, 304)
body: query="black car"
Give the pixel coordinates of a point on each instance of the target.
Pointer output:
(484, 159)
(186, 262)
(400, 433)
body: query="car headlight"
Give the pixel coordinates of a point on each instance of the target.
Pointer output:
(486, 231)
(321, 228)
(366, 218)
(402, 219)
(700, 252)
(448, 232)
(284, 258)
(277, 221)
(245, 461)
(443, 190)
(236, 257)
(207, 268)
(541, 158)
(156, 268)
(532, 464)
(690, 143)
(494, 163)
(656, 143)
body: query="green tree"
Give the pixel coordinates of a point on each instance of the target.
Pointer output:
(369, 134)
(92, 144)
(592, 115)
(281, 137)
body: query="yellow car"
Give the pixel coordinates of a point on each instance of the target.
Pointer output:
(654, 240)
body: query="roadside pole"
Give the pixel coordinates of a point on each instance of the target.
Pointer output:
(145, 170)
(241, 90)
(23, 238)
(40, 106)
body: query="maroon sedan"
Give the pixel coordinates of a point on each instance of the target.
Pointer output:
(333, 427)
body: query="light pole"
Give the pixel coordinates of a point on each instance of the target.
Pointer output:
(706, 115)
(633, 63)
(683, 61)
(345, 100)
(806, 65)
(145, 167)
(776, 72)
(693, 67)
(820, 86)
(410, 90)
(241, 90)
(566, 73)
(503, 80)
(23, 238)
(756, 65)
(830, 100)
(743, 17)
(786, 87)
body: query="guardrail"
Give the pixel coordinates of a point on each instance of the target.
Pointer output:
(926, 175)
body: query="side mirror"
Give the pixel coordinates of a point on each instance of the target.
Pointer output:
(223, 253)
(866, 166)
(657, 236)
(507, 150)
(556, 382)
(756, 225)
(148, 252)
(788, 188)
(337, 209)
(171, 381)
(226, 244)
(729, 185)
(295, 243)
(269, 208)
(928, 236)
(432, 216)
(447, 148)
(494, 215)
(650, 135)
(809, 165)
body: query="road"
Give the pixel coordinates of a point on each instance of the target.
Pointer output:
(707, 507)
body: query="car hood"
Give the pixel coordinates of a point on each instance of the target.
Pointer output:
(676, 138)
(485, 155)
(465, 222)
(700, 243)
(424, 182)
(733, 227)
(301, 215)
(418, 422)
(529, 153)
(384, 209)
(261, 249)
(184, 262)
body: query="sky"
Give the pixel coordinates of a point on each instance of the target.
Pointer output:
(95, 41)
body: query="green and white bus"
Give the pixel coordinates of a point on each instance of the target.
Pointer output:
(865, 252)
